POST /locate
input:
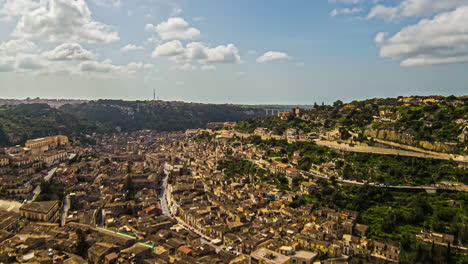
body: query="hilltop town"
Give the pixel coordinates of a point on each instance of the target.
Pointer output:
(259, 191)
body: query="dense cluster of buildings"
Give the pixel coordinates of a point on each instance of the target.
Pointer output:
(254, 219)
(23, 167)
(152, 197)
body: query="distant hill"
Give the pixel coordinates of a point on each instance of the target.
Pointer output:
(21, 122)
(158, 115)
(24, 121)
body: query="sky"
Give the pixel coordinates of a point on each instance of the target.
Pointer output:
(233, 51)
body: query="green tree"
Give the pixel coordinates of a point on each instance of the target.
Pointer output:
(344, 134)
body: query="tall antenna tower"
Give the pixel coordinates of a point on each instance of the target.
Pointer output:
(154, 94)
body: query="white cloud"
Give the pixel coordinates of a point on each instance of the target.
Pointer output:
(133, 67)
(273, 56)
(223, 54)
(387, 13)
(380, 37)
(108, 68)
(170, 48)
(112, 3)
(105, 66)
(417, 8)
(69, 51)
(442, 39)
(174, 28)
(67, 58)
(344, 11)
(62, 21)
(12, 8)
(131, 47)
(194, 51)
(220, 54)
(197, 51)
(14, 46)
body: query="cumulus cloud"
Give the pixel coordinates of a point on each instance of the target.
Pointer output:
(194, 51)
(107, 67)
(197, 51)
(174, 28)
(15, 46)
(442, 39)
(223, 54)
(12, 8)
(168, 49)
(68, 59)
(344, 11)
(133, 67)
(61, 21)
(418, 8)
(69, 51)
(387, 13)
(272, 56)
(131, 47)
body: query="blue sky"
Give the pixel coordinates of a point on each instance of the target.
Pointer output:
(243, 51)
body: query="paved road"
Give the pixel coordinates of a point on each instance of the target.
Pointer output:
(379, 150)
(380, 185)
(66, 207)
(47, 178)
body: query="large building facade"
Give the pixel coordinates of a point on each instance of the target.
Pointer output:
(46, 211)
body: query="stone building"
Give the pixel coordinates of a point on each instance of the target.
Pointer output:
(4, 161)
(46, 211)
(39, 145)
(265, 256)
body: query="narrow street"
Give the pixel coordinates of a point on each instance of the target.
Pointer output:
(47, 178)
(66, 207)
(167, 212)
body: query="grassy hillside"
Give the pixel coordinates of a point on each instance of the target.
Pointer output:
(423, 119)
